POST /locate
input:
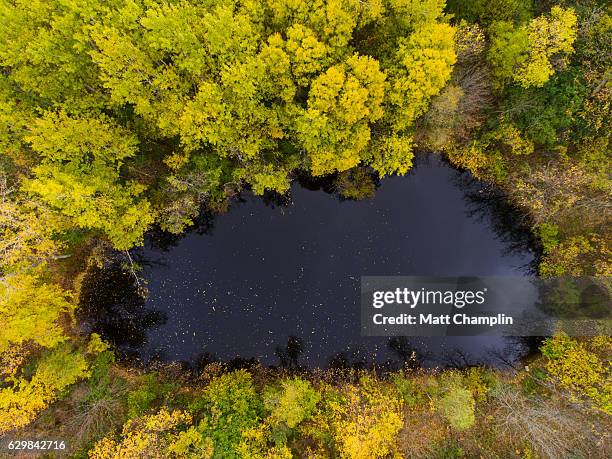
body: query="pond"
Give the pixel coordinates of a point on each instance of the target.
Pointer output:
(277, 280)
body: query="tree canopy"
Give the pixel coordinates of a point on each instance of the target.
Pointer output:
(267, 87)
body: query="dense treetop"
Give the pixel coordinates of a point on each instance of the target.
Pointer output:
(102, 100)
(239, 91)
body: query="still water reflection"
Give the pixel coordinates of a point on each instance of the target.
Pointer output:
(277, 280)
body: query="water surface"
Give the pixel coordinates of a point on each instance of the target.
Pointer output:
(280, 283)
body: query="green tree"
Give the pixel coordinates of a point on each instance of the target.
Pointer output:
(79, 176)
(229, 405)
(457, 406)
(526, 54)
(45, 44)
(292, 403)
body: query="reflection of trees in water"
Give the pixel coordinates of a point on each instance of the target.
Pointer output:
(323, 183)
(205, 359)
(345, 359)
(415, 354)
(402, 356)
(361, 181)
(517, 348)
(112, 306)
(489, 204)
(273, 199)
(289, 355)
(204, 223)
(575, 298)
(358, 183)
(486, 203)
(405, 351)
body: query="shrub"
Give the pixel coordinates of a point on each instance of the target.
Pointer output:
(408, 390)
(480, 381)
(550, 426)
(99, 380)
(578, 256)
(448, 450)
(440, 122)
(457, 406)
(532, 381)
(102, 407)
(549, 235)
(230, 405)
(96, 345)
(293, 403)
(257, 444)
(149, 390)
(482, 162)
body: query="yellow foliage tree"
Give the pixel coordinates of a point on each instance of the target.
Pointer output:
(27, 230)
(547, 37)
(30, 310)
(342, 102)
(365, 421)
(161, 435)
(23, 399)
(579, 370)
(525, 54)
(79, 176)
(423, 66)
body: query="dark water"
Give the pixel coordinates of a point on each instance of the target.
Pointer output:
(279, 282)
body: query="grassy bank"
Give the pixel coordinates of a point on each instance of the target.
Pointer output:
(557, 406)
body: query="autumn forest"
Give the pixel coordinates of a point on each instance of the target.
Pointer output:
(123, 117)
